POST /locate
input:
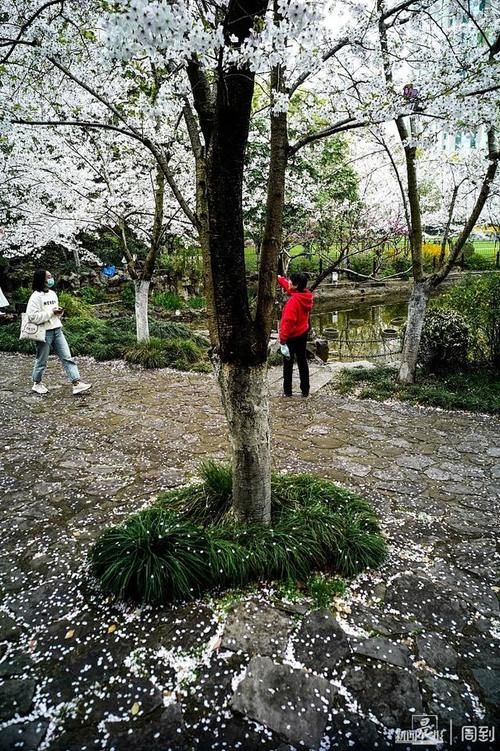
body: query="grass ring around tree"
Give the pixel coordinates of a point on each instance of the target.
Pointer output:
(189, 543)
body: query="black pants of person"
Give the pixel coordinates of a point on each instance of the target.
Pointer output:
(297, 347)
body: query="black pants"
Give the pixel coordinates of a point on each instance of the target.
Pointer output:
(297, 347)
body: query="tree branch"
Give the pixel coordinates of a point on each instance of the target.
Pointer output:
(348, 124)
(26, 26)
(494, 156)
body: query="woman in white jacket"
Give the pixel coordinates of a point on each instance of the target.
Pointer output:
(43, 307)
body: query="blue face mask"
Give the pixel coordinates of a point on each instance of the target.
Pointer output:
(51, 282)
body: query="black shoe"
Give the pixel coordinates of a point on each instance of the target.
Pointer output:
(287, 395)
(305, 394)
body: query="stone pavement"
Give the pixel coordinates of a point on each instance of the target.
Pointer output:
(417, 636)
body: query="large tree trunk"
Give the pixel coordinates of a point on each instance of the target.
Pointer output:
(141, 309)
(240, 347)
(246, 403)
(416, 313)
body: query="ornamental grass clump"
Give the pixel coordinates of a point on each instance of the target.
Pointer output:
(190, 542)
(154, 556)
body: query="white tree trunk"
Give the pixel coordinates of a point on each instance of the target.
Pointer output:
(141, 310)
(245, 396)
(416, 311)
(76, 258)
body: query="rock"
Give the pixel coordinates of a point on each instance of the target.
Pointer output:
(257, 629)
(373, 620)
(447, 700)
(439, 655)
(76, 739)
(321, 642)
(477, 557)
(23, 736)
(489, 682)
(321, 349)
(352, 732)
(9, 630)
(160, 733)
(477, 593)
(384, 650)
(16, 665)
(427, 602)
(15, 698)
(387, 691)
(291, 702)
(414, 462)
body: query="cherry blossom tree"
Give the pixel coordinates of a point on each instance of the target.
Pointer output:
(102, 58)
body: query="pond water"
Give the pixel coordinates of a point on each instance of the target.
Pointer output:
(361, 332)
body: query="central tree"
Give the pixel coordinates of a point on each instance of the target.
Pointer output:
(239, 338)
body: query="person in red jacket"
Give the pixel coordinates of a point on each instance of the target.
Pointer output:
(294, 328)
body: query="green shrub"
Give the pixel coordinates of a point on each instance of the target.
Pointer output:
(474, 390)
(444, 341)
(155, 556)
(362, 263)
(21, 294)
(92, 295)
(10, 342)
(172, 344)
(197, 303)
(73, 307)
(173, 330)
(163, 353)
(323, 589)
(477, 299)
(149, 354)
(205, 502)
(323, 526)
(111, 339)
(168, 300)
(468, 250)
(305, 264)
(477, 262)
(127, 294)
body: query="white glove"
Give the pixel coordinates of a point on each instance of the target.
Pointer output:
(284, 350)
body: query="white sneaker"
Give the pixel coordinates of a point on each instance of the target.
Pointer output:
(79, 387)
(39, 388)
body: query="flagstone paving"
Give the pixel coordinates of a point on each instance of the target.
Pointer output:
(417, 636)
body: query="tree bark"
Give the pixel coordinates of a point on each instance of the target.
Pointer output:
(141, 309)
(76, 258)
(416, 312)
(240, 353)
(246, 404)
(273, 232)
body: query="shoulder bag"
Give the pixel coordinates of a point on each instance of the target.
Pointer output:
(30, 330)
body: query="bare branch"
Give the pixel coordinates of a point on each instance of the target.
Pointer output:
(348, 124)
(24, 27)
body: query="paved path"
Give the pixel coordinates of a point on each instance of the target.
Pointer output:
(78, 671)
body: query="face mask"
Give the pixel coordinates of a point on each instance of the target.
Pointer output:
(51, 282)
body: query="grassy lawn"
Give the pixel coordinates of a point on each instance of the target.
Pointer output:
(474, 390)
(487, 250)
(251, 257)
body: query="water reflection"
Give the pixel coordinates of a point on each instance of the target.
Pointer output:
(363, 332)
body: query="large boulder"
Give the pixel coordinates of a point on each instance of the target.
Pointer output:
(321, 643)
(257, 629)
(291, 702)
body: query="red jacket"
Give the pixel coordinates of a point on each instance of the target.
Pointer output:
(295, 314)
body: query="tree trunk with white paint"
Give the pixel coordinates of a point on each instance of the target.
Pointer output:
(417, 306)
(76, 258)
(141, 309)
(246, 404)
